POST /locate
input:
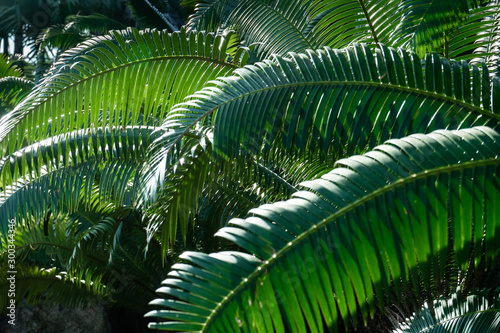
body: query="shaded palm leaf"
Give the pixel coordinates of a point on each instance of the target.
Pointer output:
(95, 23)
(180, 185)
(341, 23)
(378, 225)
(7, 68)
(489, 40)
(59, 172)
(13, 90)
(36, 284)
(460, 42)
(60, 37)
(426, 23)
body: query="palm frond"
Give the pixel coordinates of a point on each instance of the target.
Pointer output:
(180, 186)
(477, 312)
(426, 23)
(103, 254)
(378, 225)
(14, 89)
(124, 78)
(58, 173)
(50, 286)
(488, 43)
(332, 102)
(341, 23)
(60, 37)
(156, 13)
(275, 27)
(95, 23)
(7, 68)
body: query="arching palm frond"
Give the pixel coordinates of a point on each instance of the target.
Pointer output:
(341, 23)
(477, 312)
(279, 27)
(332, 102)
(51, 286)
(57, 174)
(461, 41)
(403, 218)
(157, 13)
(13, 90)
(118, 80)
(426, 23)
(285, 26)
(7, 68)
(489, 40)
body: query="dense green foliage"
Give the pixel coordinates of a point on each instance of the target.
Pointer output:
(344, 153)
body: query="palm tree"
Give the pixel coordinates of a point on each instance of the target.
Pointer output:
(386, 157)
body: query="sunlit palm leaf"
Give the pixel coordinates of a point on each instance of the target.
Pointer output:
(130, 77)
(58, 173)
(477, 312)
(378, 225)
(7, 68)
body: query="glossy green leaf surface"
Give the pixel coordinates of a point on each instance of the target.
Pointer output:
(388, 215)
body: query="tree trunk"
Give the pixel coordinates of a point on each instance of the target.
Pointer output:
(18, 42)
(6, 46)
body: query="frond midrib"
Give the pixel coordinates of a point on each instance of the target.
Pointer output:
(369, 20)
(314, 228)
(394, 87)
(7, 196)
(31, 107)
(290, 24)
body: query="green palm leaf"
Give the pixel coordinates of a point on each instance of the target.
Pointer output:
(340, 23)
(125, 79)
(7, 68)
(461, 41)
(49, 285)
(95, 23)
(279, 27)
(59, 172)
(13, 90)
(475, 313)
(489, 39)
(426, 23)
(332, 102)
(378, 225)
(279, 24)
